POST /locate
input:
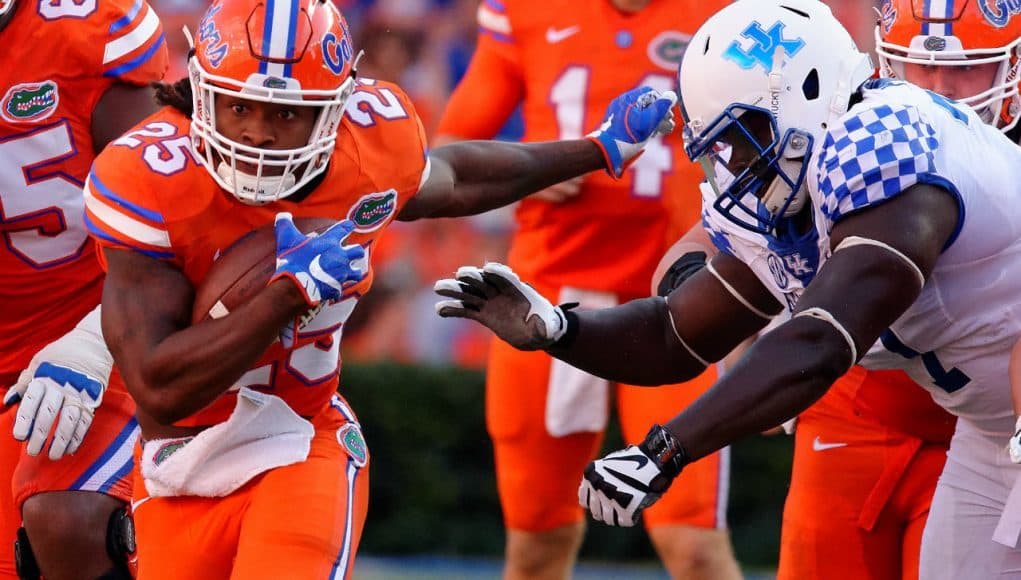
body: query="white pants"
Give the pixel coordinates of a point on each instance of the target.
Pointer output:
(970, 498)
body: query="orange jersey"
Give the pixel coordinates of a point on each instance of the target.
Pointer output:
(68, 53)
(564, 61)
(147, 193)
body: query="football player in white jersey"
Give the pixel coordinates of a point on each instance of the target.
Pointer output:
(908, 199)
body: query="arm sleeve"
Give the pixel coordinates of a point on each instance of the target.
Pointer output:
(493, 85)
(135, 50)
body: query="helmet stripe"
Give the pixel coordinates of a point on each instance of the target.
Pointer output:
(278, 36)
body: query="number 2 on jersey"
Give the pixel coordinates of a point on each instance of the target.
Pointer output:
(569, 94)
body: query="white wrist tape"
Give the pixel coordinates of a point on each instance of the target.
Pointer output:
(825, 316)
(737, 295)
(690, 350)
(852, 241)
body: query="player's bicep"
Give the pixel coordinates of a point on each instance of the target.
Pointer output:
(881, 257)
(719, 306)
(434, 193)
(145, 300)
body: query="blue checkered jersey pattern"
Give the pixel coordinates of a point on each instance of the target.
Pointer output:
(871, 155)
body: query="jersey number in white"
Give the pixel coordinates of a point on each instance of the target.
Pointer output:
(41, 209)
(569, 94)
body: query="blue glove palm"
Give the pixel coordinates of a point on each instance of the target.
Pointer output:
(318, 264)
(631, 120)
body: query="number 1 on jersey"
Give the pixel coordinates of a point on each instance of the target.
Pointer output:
(569, 95)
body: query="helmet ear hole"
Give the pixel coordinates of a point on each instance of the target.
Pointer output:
(810, 88)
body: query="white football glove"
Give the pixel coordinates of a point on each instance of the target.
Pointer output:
(496, 297)
(63, 384)
(616, 488)
(1014, 445)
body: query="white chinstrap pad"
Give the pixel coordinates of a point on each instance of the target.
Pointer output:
(852, 241)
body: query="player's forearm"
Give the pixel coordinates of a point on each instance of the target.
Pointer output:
(486, 175)
(781, 375)
(191, 367)
(632, 343)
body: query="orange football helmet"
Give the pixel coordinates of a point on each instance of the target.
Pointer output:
(293, 52)
(957, 33)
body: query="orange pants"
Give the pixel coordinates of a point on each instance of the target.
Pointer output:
(538, 474)
(860, 490)
(297, 521)
(102, 464)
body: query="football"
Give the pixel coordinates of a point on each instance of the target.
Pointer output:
(243, 269)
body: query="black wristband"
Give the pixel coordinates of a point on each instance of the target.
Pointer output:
(665, 450)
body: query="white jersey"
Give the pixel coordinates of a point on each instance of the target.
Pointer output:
(955, 340)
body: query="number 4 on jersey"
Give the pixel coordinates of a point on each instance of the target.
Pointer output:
(569, 94)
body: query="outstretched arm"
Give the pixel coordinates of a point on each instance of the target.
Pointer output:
(472, 177)
(888, 252)
(791, 367)
(652, 341)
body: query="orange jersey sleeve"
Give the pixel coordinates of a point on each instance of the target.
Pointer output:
(493, 85)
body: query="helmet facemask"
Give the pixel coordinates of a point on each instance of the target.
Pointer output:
(759, 85)
(221, 155)
(757, 173)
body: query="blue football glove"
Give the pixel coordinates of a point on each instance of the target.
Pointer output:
(320, 265)
(631, 120)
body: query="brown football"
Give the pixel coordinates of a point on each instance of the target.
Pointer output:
(243, 269)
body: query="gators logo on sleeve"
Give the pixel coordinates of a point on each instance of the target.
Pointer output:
(372, 210)
(29, 102)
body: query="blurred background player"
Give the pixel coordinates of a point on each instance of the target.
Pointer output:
(593, 240)
(271, 118)
(77, 76)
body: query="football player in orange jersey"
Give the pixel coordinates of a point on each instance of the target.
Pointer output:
(77, 77)
(251, 465)
(561, 60)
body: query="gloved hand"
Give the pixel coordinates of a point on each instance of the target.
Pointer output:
(495, 297)
(631, 120)
(320, 265)
(63, 384)
(616, 488)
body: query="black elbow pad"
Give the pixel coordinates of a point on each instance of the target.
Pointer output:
(683, 268)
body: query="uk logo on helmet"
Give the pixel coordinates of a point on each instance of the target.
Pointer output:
(999, 12)
(763, 50)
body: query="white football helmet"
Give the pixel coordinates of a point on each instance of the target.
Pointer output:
(759, 83)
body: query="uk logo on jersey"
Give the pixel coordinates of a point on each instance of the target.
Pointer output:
(765, 45)
(30, 102)
(999, 12)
